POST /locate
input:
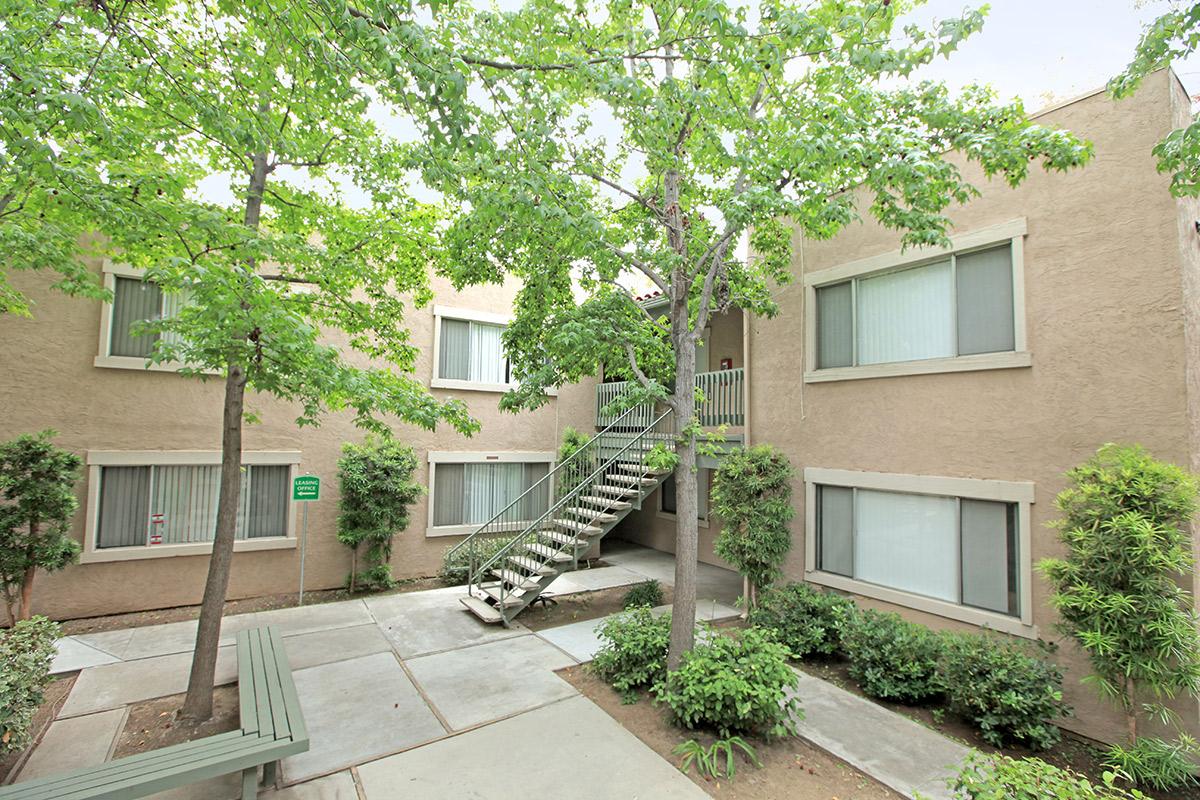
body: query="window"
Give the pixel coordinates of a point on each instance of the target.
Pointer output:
(666, 503)
(134, 300)
(958, 547)
(468, 490)
(906, 313)
(470, 353)
(177, 504)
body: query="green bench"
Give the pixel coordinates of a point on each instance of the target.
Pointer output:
(272, 729)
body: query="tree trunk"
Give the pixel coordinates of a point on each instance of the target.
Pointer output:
(197, 706)
(683, 612)
(1131, 723)
(27, 593)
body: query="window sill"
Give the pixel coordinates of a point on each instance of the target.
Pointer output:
(475, 386)
(467, 530)
(141, 552)
(983, 361)
(141, 365)
(972, 616)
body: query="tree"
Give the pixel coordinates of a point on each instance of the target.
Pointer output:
(37, 504)
(1172, 37)
(377, 487)
(295, 289)
(734, 125)
(752, 496)
(1125, 524)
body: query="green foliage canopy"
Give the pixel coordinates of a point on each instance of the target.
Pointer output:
(26, 652)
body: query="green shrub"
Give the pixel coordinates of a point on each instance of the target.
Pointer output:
(377, 489)
(1155, 763)
(890, 658)
(633, 653)
(718, 761)
(648, 593)
(752, 497)
(733, 684)
(1003, 778)
(455, 566)
(1003, 689)
(26, 650)
(804, 619)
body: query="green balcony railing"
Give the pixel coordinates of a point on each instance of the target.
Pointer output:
(723, 403)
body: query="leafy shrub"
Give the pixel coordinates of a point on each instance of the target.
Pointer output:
(1003, 689)
(1004, 778)
(804, 619)
(377, 488)
(456, 565)
(634, 650)
(572, 442)
(717, 761)
(648, 593)
(1156, 763)
(752, 497)
(733, 685)
(661, 458)
(26, 650)
(890, 658)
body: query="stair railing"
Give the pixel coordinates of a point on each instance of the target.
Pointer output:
(527, 506)
(659, 431)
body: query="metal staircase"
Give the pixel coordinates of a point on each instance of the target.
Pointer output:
(515, 555)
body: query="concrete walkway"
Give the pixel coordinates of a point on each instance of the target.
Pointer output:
(405, 695)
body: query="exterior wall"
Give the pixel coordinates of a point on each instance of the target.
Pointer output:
(48, 380)
(1104, 287)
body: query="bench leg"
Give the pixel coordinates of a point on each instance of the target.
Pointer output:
(269, 773)
(250, 783)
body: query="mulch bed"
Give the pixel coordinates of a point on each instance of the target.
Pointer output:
(154, 724)
(570, 608)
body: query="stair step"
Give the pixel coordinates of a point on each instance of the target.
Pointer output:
(512, 598)
(592, 515)
(533, 565)
(514, 578)
(582, 528)
(562, 538)
(606, 503)
(635, 468)
(549, 552)
(616, 491)
(630, 479)
(482, 609)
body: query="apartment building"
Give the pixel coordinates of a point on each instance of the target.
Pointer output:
(931, 401)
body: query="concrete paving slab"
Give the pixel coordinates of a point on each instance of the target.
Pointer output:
(592, 580)
(593, 758)
(483, 683)
(179, 637)
(706, 611)
(111, 642)
(73, 655)
(74, 743)
(115, 685)
(338, 786)
(580, 640)
(419, 623)
(319, 617)
(340, 644)
(889, 747)
(357, 710)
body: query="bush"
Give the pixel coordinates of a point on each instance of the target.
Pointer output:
(1155, 763)
(733, 684)
(1003, 689)
(634, 650)
(807, 621)
(890, 658)
(377, 488)
(26, 650)
(455, 566)
(1003, 778)
(752, 497)
(644, 594)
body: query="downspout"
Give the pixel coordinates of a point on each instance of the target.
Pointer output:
(746, 378)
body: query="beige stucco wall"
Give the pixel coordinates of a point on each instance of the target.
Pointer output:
(1103, 294)
(47, 380)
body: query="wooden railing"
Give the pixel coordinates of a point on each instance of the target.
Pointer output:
(723, 404)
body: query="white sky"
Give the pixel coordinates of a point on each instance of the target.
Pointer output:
(1042, 51)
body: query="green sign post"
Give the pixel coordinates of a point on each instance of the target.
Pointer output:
(305, 489)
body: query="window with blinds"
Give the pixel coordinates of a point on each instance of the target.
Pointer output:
(134, 301)
(177, 504)
(666, 494)
(959, 306)
(472, 351)
(473, 493)
(959, 550)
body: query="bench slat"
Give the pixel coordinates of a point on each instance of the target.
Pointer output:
(261, 696)
(247, 710)
(291, 698)
(279, 720)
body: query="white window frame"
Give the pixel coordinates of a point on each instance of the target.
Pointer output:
(155, 458)
(458, 457)
(466, 315)
(103, 358)
(1012, 232)
(1019, 492)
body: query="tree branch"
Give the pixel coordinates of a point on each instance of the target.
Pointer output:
(641, 266)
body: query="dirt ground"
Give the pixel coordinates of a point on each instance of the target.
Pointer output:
(53, 697)
(153, 724)
(577, 607)
(793, 769)
(1073, 752)
(138, 619)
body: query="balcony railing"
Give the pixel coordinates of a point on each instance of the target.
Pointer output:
(723, 404)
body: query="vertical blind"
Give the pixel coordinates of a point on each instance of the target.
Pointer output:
(136, 300)
(959, 550)
(472, 351)
(179, 503)
(955, 307)
(473, 493)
